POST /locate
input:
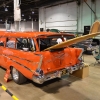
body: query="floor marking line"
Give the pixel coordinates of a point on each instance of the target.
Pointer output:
(5, 89)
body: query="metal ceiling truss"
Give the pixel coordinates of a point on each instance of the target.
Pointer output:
(27, 7)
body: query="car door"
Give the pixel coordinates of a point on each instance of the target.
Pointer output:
(7, 50)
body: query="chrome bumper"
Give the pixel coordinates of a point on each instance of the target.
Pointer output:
(57, 74)
(41, 79)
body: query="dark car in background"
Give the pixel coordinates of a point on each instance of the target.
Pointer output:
(86, 45)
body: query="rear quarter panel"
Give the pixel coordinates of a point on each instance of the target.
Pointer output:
(25, 62)
(53, 61)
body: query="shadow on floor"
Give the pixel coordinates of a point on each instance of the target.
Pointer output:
(52, 86)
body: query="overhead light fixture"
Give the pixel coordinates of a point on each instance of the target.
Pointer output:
(22, 14)
(32, 12)
(6, 9)
(7, 6)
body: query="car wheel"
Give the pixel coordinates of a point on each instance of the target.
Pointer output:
(17, 76)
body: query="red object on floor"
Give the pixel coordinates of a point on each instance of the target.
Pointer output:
(6, 77)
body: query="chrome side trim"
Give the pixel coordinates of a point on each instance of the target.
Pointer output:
(40, 62)
(17, 63)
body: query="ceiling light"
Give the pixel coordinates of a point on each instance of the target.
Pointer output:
(6, 9)
(22, 14)
(7, 6)
(32, 12)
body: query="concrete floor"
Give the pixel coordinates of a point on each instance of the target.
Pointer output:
(69, 88)
(4, 95)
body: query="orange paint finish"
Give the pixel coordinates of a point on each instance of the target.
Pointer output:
(27, 59)
(25, 62)
(61, 59)
(41, 56)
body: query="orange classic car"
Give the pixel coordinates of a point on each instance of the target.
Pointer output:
(40, 56)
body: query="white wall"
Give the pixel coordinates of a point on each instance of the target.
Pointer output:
(26, 26)
(36, 26)
(85, 15)
(2, 27)
(41, 18)
(70, 16)
(62, 17)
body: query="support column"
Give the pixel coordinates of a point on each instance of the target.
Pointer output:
(6, 24)
(17, 14)
(32, 24)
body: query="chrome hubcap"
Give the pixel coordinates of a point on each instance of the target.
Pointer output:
(15, 74)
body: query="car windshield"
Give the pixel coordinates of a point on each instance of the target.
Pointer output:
(52, 40)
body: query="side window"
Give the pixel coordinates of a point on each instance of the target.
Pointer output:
(25, 44)
(10, 42)
(2, 40)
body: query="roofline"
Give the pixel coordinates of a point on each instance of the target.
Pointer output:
(30, 34)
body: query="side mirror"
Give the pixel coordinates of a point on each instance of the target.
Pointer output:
(26, 49)
(1, 44)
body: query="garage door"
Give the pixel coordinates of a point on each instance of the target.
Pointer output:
(62, 17)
